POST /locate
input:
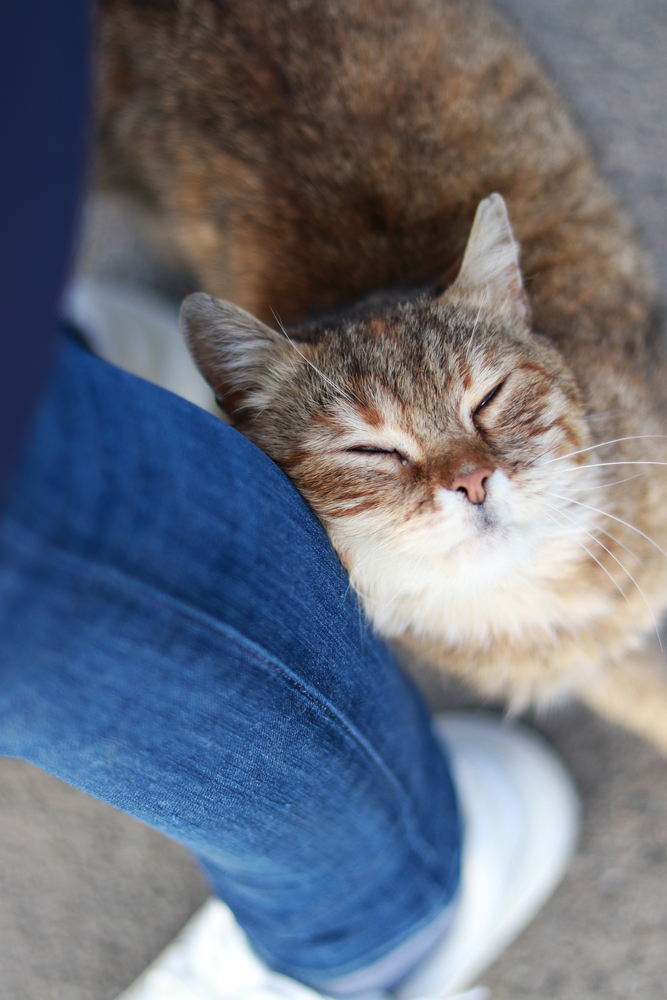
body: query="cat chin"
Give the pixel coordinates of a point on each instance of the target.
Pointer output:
(464, 582)
(480, 592)
(488, 556)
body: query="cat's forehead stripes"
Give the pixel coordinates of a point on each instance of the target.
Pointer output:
(416, 363)
(370, 413)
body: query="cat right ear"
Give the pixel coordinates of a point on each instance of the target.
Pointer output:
(490, 273)
(233, 350)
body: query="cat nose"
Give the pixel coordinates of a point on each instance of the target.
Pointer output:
(473, 484)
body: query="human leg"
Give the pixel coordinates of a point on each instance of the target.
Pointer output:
(179, 639)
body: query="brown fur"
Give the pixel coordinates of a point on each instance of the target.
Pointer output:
(308, 154)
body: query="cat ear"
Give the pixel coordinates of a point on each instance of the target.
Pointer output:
(231, 348)
(490, 273)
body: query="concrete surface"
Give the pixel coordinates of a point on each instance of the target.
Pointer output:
(88, 896)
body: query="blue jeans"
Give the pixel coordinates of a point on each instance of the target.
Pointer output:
(178, 638)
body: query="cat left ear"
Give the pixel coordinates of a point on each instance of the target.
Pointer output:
(231, 348)
(490, 273)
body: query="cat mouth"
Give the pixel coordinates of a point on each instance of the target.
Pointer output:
(486, 527)
(483, 531)
(486, 520)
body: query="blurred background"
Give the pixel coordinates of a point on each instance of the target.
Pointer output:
(88, 896)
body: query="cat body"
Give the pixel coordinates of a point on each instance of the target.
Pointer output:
(484, 451)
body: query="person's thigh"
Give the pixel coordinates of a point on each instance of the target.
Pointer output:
(178, 638)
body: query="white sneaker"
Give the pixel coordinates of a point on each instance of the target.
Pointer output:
(520, 818)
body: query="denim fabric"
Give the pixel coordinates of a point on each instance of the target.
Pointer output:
(178, 638)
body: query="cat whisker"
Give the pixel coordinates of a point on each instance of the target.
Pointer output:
(620, 544)
(378, 551)
(309, 362)
(605, 415)
(373, 556)
(592, 447)
(605, 513)
(373, 600)
(601, 465)
(604, 486)
(404, 585)
(472, 335)
(579, 527)
(603, 531)
(589, 553)
(361, 564)
(625, 570)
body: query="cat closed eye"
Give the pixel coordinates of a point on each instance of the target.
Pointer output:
(489, 396)
(369, 450)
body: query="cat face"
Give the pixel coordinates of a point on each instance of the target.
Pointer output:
(430, 433)
(437, 424)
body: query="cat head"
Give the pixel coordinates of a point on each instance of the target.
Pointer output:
(433, 426)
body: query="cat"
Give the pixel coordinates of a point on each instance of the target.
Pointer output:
(487, 453)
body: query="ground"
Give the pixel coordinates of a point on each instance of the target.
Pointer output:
(88, 897)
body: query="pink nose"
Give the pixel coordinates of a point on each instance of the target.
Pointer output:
(472, 484)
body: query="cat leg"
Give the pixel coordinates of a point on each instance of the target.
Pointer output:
(633, 693)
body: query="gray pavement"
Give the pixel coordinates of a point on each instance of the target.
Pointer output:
(88, 896)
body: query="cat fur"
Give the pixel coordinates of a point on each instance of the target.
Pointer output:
(310, 154)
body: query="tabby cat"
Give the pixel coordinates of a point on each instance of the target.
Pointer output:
(487, 452)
